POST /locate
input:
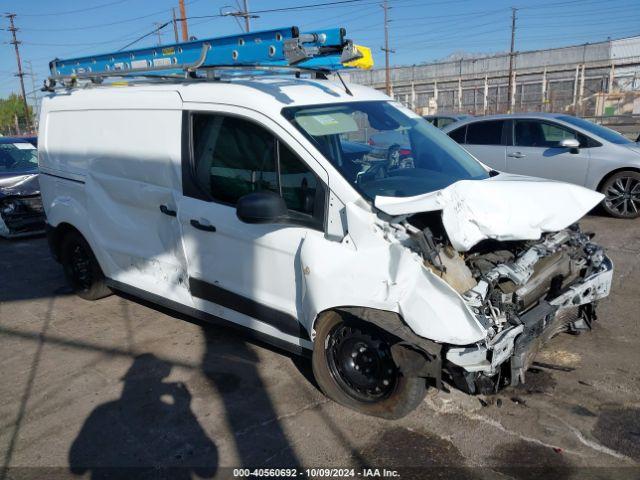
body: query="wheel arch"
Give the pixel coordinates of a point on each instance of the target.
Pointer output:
(56, 234)
(420, 356)
(613, 172)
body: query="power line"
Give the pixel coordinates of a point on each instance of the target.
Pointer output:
(69, 12)
(219, 15)
(152, 32)
(284, 9)
(243, 13)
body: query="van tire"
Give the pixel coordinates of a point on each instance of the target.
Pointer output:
(404, 394)
(81, 268)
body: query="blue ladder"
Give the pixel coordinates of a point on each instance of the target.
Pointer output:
(323, 50)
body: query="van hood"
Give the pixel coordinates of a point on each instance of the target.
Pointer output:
(504, 207)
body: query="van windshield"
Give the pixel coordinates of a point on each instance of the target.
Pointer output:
(384, 149)
(18, 158)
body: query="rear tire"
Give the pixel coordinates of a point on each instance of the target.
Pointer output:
(81, 268)
(622, 194)
(343, 350)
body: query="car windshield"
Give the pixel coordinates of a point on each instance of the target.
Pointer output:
(603, 132)
(400, 154)
(18, 158)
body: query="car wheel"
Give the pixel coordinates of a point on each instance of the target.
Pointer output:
(622, 195)
(81, 268)
(352, 364)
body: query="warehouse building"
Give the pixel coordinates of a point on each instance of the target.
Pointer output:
(591, 80)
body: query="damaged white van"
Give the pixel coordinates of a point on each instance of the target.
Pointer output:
(258, 202)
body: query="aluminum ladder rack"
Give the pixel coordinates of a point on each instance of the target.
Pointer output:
(321, 51)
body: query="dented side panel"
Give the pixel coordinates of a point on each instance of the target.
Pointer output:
(368, 270)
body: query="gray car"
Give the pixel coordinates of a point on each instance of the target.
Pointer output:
(559, 147)
(445, 119)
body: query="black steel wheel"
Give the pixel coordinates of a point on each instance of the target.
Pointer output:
(81, 268)
(361, 363)
(622, 195)
(353, 366)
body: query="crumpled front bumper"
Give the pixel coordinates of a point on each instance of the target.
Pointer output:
(27, 219)
(474, 368)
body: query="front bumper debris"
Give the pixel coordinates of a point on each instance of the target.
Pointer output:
(25, 217)
(507, 356)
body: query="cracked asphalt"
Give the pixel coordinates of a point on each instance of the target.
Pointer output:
(87, 386)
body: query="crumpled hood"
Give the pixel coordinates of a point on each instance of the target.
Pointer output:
(19, 185)
(504, 207)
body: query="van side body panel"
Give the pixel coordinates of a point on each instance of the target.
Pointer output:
(108, 167)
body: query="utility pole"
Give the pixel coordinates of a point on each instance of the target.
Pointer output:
(175, 25)
(34, 94)
(511, 54)
(20, 73)
(183, 22)
(158, 32)
(245, 14)
(386, 49)
(241, 13)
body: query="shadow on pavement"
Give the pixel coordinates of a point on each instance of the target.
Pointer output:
(149, 430)
(231, 368)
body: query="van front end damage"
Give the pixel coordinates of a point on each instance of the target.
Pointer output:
(21, 211)
(527, 292)
(469, 294)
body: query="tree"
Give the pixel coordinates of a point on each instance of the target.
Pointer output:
(11, 107)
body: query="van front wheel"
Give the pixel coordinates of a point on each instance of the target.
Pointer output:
(352, 364)
(81, 268)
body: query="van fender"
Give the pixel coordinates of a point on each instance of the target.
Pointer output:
(369, 270)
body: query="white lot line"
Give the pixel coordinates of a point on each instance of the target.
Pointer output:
(502, 428)
(590, 443)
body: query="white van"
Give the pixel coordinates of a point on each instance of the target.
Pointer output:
(245, 201)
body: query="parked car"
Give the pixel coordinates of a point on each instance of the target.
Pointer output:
(21, 210)
(559, 147)
(443, 120)
(354, 151)
(232, 202)
(395, 145)
(32, 140)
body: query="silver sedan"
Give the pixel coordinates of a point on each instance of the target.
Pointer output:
(559, 147)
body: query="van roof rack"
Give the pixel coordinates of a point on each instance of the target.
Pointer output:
(280, 49)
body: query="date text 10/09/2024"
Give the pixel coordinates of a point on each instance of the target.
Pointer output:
(316, 472)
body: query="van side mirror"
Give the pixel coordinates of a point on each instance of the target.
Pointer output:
(570, 143)
(261, 207)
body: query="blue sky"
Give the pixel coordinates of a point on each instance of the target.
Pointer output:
(420, 31)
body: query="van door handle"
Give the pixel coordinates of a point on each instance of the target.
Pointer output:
(167, 211)
(200, 226)
(516, 155)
